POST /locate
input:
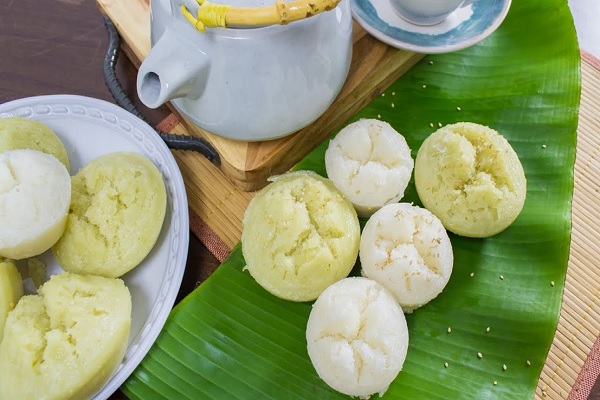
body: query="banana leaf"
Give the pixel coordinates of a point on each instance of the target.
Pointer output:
(230, 339)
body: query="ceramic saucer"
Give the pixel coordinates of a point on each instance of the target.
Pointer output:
(468, 25)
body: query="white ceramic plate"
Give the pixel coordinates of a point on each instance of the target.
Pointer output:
(90, 128)
(463, 28)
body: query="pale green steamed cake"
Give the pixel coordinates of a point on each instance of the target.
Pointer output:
(300, 235)
(118, 205)
(470, 177)
(67, 341)
(11, 290)
(21, 133)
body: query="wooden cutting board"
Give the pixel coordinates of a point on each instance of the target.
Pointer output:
(247, 165)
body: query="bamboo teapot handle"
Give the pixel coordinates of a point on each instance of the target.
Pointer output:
(213, 15)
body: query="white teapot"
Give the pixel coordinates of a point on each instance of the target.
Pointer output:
(243, 81)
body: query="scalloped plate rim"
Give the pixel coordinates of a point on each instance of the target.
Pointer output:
(65, 113)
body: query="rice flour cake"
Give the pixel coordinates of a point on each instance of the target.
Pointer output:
(67, 341)
(11, 290)
(471, 178)
(357, 337)
(117, 211)
(371, 163)
(35, 194)
(22, 133)
(300, 235)
(407, 250)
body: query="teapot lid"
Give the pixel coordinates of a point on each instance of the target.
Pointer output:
(251, 13)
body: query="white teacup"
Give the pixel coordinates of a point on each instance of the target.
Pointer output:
(426, 12)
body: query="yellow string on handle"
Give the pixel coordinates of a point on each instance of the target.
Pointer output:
(213, 15)
(220, 15)
(209, 15)
(192, 20)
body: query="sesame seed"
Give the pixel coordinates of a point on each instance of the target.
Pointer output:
(495, 383)
(528, 362)
(379, 116)
(431, 124)
(440, 124)
(457, 108)
(503, 367)
(424, 86)
(487, 329)
(393, 93)
(552, 283)
(501, 277)
(449, 329)
(543, 146)
(479, 355)
(544, 393)
(382, 94)
(472, 274)
(393, 105)
(445, 365)
(431, 62)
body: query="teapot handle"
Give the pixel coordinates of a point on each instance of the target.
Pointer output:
(213, 15)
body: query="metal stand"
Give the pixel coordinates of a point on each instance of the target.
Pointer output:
(175, 142)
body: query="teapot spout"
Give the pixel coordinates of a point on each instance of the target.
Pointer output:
(172, 69)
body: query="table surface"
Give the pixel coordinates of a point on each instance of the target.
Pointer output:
(41, 40)
(586, 14)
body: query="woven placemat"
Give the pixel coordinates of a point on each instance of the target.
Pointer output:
(573, 363)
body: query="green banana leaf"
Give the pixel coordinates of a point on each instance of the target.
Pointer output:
(229, 339)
